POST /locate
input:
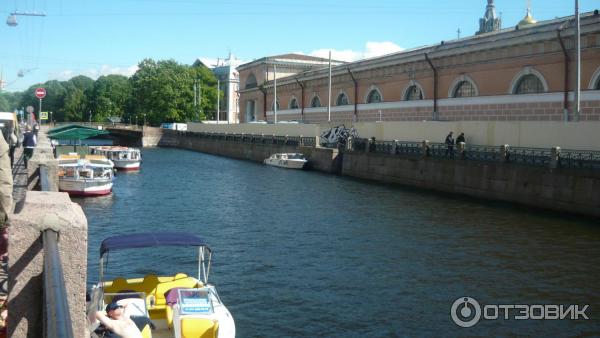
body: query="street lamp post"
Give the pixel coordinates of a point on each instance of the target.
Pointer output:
(12, 18)
(90, 117)
(144, 118)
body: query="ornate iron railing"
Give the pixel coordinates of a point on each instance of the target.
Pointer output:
(566, 158)
(579, 159)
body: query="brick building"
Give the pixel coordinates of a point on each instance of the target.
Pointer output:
(526, 72)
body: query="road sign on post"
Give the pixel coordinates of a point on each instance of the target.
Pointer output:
(44, 115)
(40, 93)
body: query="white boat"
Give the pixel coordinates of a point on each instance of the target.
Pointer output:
(90, 176)
(124, 158)
(287, 160)
(177, 305)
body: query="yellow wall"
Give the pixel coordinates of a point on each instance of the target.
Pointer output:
(567, 135)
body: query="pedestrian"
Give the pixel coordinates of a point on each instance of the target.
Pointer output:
(6, 191)
(460, 138)
(450, 144)
(29, 142)
(118, 322)
(13, 143)
(36, 129)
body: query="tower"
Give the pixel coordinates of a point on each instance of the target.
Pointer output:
(490, 21)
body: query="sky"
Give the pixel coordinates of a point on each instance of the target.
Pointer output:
(101, 37)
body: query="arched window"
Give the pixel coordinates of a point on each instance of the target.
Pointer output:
(413, 93)
(464, 89)
(341, 100)
(251, 81)
(294, 103)
(374, 96)
(273, 105)
(315, 102)
(529, 84)
(598, 84)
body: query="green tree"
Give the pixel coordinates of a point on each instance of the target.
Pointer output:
(164, 91)
(5, 103)
(109, 97)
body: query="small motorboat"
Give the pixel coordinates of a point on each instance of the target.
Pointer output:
(124, 158)
(177, 305)
(287, 160)
(89, 176)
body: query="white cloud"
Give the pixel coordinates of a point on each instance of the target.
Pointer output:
(93, 73)
(372, 49)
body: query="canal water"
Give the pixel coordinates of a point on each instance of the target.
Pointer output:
(303, 254)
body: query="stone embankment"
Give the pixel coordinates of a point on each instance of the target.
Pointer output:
(35, 212)
(532, 177)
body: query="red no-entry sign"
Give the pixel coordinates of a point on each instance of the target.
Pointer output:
(40, 93)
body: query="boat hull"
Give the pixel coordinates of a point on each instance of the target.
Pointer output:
(85, 187)
(289, 164)
(127, 165)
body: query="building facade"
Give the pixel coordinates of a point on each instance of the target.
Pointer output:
(229, 84)
(526, 72)
(257, 88)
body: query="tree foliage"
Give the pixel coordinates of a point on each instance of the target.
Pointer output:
(160, 91)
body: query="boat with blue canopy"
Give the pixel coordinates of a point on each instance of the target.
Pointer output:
(174, 306)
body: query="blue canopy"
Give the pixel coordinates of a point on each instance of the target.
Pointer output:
(154, 239)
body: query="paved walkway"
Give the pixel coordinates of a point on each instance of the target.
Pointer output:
(19, 192)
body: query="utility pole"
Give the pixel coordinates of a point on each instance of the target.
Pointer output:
(199, 98)
(218, 98)
(275, 91)
(329, 92)
(578, 61)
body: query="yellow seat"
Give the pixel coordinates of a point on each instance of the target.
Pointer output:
(199, 328)
(118, 284)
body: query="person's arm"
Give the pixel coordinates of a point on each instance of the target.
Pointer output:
(107, 322)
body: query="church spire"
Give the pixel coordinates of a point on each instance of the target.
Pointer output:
(490, 21)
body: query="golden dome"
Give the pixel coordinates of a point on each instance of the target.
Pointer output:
(528, 19)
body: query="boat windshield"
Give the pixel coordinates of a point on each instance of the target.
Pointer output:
(195, 301)
(296, 156)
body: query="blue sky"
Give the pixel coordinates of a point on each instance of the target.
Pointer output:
(111, 36)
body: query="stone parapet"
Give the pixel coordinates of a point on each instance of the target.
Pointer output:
(43, 154)
(41, 211)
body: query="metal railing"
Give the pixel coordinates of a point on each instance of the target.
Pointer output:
(540, 157)
(57, 318)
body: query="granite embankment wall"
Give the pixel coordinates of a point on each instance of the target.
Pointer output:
(560, 189)
(568, 190)
(244, 151)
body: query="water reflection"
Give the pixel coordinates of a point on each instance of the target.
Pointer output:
(299, 253)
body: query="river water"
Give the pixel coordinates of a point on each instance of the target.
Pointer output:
(304, 254)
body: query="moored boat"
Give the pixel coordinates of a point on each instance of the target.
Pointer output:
(287, 160)
(89, 176)
(177, 305)
(124, 158)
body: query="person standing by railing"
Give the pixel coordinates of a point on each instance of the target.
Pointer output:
(449, 144)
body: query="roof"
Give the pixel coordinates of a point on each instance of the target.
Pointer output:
(145, 240)
(75, 132)
(291, 58)
(540, 31)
